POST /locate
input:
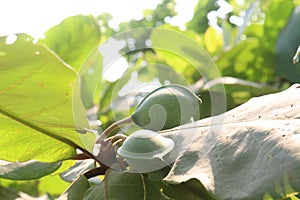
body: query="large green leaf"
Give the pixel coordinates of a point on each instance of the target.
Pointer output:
(286, 46)
(27, 170)
(73, 39)
(21, 143)
(134, 186)
(250, 152)
(187, 48)
(36, 94)
(175, 60)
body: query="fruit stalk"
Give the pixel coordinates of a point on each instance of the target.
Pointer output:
(116, 125)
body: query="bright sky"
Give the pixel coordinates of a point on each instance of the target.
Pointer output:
(34, 17)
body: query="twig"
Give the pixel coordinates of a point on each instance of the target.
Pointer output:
(81, 156)
(96, 171)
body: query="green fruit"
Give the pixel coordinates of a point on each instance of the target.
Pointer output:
(166, 107)
(144, 150)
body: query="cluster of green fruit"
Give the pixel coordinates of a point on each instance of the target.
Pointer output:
(165, 108)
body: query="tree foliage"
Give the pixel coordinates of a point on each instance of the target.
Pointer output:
(56, 99)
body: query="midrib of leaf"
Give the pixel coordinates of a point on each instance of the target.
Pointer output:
(38, 128)
(144, 186)
(226, 123)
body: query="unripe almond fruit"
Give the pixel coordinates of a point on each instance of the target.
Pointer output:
(166, 107)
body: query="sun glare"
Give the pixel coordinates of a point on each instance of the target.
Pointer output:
(34, 17)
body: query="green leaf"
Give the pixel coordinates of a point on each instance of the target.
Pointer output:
(250, 152)
(186, 48)
(91, 76)
(134, 186)
(199, 23)
(8, 194)
(96, 192)
(213, 40)
(191, 189)
(28, 187)
(273, 22)
(286, 46)
(292, 198)
(73, 39)
(27, 170)
(76, 190)
(29, 144)
(158, 175)
(245, 59)
(165, 57)
(161, 73)
(52, 184)
(78, 168)
(35, 103)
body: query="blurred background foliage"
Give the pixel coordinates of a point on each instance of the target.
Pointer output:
(251, 43)
(247, 40)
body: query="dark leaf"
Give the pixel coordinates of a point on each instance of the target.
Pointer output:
(27, 170)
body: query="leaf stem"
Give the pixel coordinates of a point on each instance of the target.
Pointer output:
(116, 125)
